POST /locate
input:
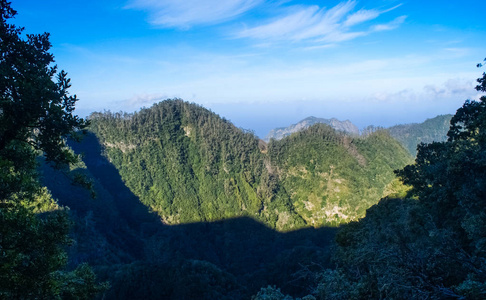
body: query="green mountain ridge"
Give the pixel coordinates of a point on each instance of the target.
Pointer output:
(189, 165)
(273, 195)
(333, 178)
(261, 232)
(431, 130)
(409, 135)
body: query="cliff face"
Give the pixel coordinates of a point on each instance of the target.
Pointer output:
(344, 126)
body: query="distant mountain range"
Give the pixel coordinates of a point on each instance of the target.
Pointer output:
(344, 126)
(409, 135)
(431, 130)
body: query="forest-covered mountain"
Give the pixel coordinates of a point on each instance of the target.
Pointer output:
(189, 165)
(431, 130)
(409, 135)
(403, 248)
(219, 244)
(113, 206)
(281, 132)
(333, 178)
(143, 258)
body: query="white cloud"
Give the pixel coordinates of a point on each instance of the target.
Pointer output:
(302, 23)
(389, 26)
(315, 24)
(364, 15)
(361, 16)
(451, 88)
(187, 13)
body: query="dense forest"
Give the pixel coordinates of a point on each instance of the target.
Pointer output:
(175, 202)
(432, 130)
(402, 248)
(188, 164)
(143, 258)
(332, 178)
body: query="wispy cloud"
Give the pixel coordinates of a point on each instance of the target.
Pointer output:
(187, 13)
(313, 23)
(389, 26)
(457, 89)
(364, 15)
(360, 17)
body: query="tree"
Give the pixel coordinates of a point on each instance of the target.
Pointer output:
(431, 245)
(36, 116)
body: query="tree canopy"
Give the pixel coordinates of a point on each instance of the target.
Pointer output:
(431, 244)
(36, 116)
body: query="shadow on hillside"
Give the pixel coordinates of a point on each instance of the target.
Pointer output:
(103, 171)
(253, 253)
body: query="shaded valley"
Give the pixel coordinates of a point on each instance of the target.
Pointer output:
(176, 187)
(141, 257)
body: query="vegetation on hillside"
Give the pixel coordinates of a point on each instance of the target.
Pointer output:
(333, 178)
(176, 202)
(140, 256)
(429, 244)
(189, 165)
(411, 135)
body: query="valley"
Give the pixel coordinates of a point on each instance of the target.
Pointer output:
(176, 187)
(170, 200)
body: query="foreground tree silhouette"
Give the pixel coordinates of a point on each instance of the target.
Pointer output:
(431, 245)
(36, 115)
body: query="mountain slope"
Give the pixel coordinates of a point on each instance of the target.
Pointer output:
(431, 130)
(222, 191)
(189, 165)
(332, 178)
(344, 126)
(143, 258)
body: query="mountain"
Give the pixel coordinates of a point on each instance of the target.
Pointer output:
(409, 135)
(183, 204)
(189, 165)
(332, 178)
(431, 130)
(143, 258)
(344, 126)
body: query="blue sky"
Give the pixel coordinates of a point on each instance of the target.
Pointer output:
(266, 64)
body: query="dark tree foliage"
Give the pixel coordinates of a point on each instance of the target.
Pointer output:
(433, 244)
(36, 115)
(34, 109)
